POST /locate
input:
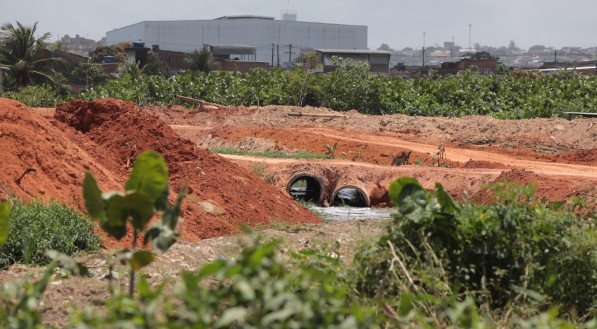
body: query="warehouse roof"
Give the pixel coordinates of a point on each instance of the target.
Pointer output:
(245, 17)
(354, 51)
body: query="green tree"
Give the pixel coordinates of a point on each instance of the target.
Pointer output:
(200, 61)
(88, 74)
(155, 66)
(20, 55)
(118, 51)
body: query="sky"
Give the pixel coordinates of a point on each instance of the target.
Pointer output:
(557, 23)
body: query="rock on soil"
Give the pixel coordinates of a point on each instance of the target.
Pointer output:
(213, 182)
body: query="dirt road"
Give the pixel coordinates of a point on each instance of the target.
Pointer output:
(452, 153)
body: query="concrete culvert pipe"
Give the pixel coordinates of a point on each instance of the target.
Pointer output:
(350, 195)
(306, 187)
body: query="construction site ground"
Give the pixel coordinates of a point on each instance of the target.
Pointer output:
(556, 155)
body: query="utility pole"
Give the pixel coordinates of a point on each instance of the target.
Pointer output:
(273, 49)
(555, 56)
(278, 54)
(470, 28)
(424, 35)
(452, 50)
(290, 55)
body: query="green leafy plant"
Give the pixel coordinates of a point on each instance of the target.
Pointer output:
(88, 74)
(508, 96)
(146, 193)
(19, 301)
(258, 289)
(36, 96)
(36, 228)
(518, 251)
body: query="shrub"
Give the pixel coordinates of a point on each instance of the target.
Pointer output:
(514, 251)
(88, 74)
(36, 96)
(36, 228)
(350, 86)
(257, 290)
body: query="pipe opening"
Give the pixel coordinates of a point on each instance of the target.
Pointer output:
(305, 188)
(350, 196)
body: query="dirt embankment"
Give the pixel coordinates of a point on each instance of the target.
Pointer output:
(551, 139)
(104, 138)
(56, 162)
(548, 188)
(222, 196)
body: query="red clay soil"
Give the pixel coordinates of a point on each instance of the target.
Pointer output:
(309, 141)
(480, 164)
(548, 188)
(581, 156)
(27, 140)
(222, 196)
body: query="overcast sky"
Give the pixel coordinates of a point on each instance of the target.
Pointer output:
(398, 23)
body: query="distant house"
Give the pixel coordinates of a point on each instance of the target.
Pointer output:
(235, 58)
(378, 60)
(175, 60)
(225, 58)
(481, 60)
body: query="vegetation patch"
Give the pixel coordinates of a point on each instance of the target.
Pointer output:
(509, 95)
(35, 228)
(270, 154)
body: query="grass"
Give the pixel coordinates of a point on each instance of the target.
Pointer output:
(270, 154)
(36, 228)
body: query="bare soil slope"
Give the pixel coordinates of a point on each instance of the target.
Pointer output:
(551, 139)
(223, 196)
(29, 141)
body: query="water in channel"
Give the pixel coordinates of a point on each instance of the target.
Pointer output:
(352, 213)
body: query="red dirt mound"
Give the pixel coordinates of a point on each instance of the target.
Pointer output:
(549, 188)
(222, 196)
(58, 164)
(473, 164)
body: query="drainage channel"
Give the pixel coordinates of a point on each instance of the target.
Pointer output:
(352, 213)
(348, 202)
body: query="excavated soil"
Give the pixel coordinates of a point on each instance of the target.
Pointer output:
(29, 141)
(552, 139)
(104, 138)
(548, 188)
(222, 196)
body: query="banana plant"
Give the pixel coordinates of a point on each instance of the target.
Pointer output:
(146, 195)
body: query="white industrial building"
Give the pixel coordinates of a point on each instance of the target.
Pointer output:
(274, 40)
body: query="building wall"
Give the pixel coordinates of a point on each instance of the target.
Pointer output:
(128, 33)
(238, 66)
(187, 36)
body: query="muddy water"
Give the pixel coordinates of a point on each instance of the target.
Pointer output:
(351, 213)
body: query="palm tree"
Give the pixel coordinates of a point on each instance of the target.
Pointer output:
(20, 55)
(199, 60)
